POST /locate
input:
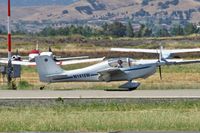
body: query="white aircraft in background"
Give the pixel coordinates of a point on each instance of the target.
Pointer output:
(120, 69)
(30, 59)
(165, 53)
(36, 52)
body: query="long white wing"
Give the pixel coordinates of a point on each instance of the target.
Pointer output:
(168, 61)
(135, 50)
(70, 62)
(22, 63)
(183, 50)
(155, 50)
(179, 62)
(165, 52)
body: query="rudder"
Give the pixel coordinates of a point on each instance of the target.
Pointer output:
(47, 66)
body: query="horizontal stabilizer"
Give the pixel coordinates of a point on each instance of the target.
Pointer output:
(71, 58)
(56, 77)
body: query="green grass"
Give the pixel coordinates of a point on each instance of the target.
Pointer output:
(182, 116)
(26, 69)
(190, 68)
(24, 85)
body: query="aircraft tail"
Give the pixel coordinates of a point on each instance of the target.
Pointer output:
(46, 67)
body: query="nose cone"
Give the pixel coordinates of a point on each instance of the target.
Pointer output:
(34, 51)
(33, 54)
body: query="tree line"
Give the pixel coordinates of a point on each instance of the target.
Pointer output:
(118, 29)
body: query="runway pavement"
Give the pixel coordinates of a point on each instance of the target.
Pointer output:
(100, 94)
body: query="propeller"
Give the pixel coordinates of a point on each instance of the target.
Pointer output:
(159, 60)
(160, 71)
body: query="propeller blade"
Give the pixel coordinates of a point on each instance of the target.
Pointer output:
(160, 71)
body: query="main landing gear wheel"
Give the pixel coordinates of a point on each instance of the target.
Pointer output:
(132, 89)
(128, 86)
(120, 89)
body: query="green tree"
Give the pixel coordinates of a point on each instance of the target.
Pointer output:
(115, 29)
(141, 32)
(189, 29)
(48, 31)
(161, 32)
(2, 29)
(129, 30)
(105, 29)
(144, 31)
(63, 31)
(147, 32)
(72, 30)
(176, 30)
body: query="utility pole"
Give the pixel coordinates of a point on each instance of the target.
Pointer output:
(9, 68)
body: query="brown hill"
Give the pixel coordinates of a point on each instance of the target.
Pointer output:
(114, 10)
(95, 10)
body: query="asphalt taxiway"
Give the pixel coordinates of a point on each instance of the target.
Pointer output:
(99, 94)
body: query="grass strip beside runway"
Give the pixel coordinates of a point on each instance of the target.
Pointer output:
(182, 116)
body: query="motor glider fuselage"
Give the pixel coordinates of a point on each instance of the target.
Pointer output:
(131, 69)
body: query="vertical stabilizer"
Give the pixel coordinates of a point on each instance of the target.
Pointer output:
(46, 66)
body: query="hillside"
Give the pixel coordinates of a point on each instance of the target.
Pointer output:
(94, 11)
(116, 9)
(22, 3)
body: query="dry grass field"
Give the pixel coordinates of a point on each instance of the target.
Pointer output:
(179, 77)
(105, 117)
(174, 77)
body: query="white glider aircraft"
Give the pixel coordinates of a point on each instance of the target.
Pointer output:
(165, 53)
(30, 59)
(120, 69)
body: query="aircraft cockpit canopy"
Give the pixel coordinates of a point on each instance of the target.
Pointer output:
(121, 62)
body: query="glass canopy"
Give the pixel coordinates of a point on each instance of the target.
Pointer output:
(121, 62)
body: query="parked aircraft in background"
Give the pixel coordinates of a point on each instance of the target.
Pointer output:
(119, 69)
(30, 59)
(165, 53)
